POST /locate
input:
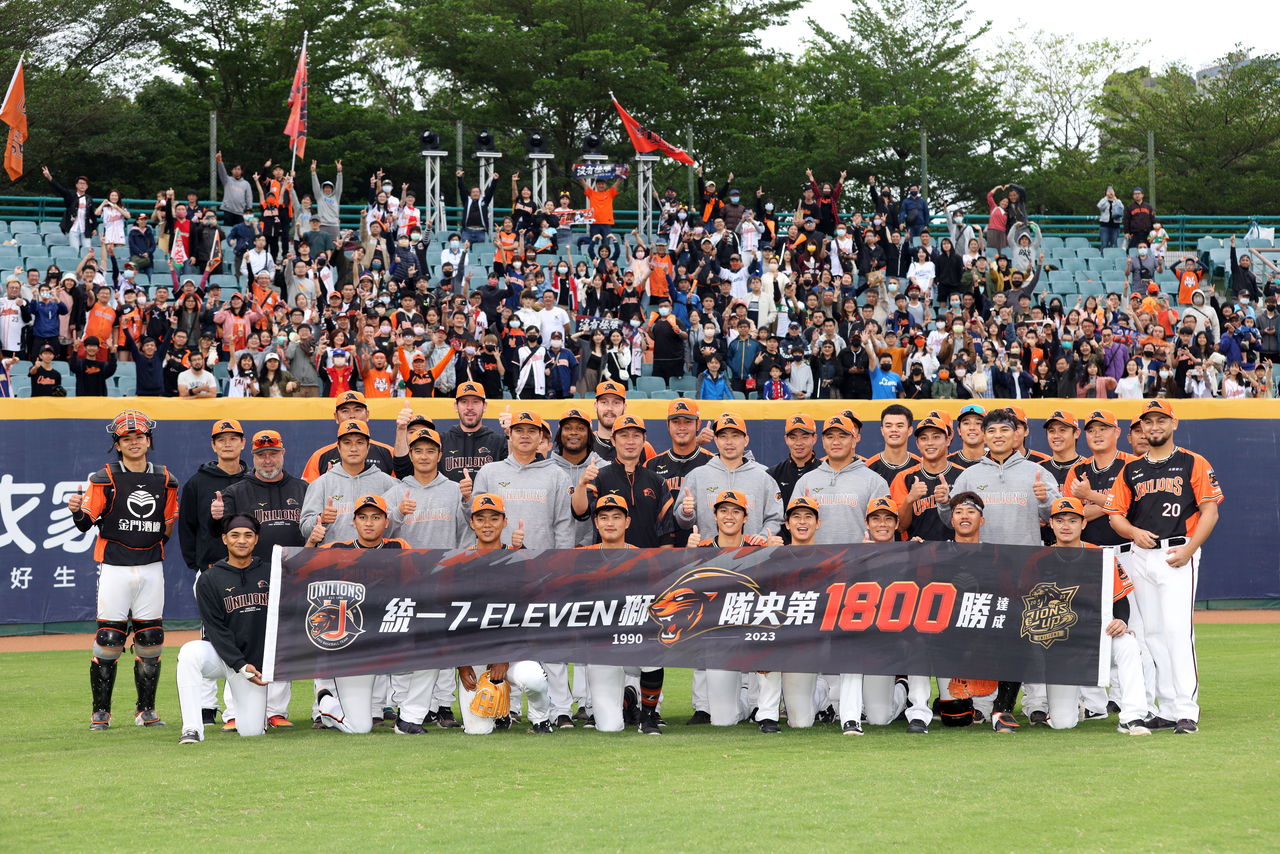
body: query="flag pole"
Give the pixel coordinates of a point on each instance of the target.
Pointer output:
(13, 80)
(294, 147)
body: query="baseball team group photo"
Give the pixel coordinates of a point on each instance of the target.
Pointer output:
(715, 414)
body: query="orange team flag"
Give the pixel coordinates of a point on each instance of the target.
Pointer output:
(14, 114)
(646, 140)
(296, 127)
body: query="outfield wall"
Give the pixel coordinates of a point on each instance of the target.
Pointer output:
(47, 574)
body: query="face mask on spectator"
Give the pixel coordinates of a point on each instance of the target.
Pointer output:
(957, 328)
(840, 232)
(454, 244)
(513, 323)
(415, 236)
(682, 215)
(768, 206)
(663, 311)
(1164, 374)
(635, 323)
(1142, 252)
(893, 287)
(734, 198)
(129, 274)
(387, 188)
(548, 232)
(516, 265)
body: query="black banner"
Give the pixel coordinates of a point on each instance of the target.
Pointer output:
(941, 609)
(596, 170)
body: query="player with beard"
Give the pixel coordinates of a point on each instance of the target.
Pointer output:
(574, 453)
(611, 404)
(968, 426)
(469, 444)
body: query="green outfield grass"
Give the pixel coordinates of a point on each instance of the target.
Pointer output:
(694, 788)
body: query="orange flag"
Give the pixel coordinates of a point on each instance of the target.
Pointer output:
(14, 114)
(296, 127)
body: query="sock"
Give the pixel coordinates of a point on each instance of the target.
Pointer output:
(650, 689)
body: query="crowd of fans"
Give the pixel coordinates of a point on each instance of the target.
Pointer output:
(736, 295)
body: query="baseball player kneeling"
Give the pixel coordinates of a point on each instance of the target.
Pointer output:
(1067, 521)
(232, 598)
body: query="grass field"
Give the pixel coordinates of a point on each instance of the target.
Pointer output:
(693, 789)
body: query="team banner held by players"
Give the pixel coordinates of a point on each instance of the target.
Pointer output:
(946, 609)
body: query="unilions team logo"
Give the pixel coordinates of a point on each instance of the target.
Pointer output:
(1047, 616)
(687, 609)
(334, 619)
(141, 503)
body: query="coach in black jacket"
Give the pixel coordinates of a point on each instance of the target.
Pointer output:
(270, 494)
(72, 202)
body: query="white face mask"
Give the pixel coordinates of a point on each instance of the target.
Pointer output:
(1142, 253)
(415, 236)
(682, 215)
(470, 351)
(957, 328)
(564, 271)
(513, 323)
(1164, 375)
(876, 222)
(840, 232)
(556, 344)
(635, 323)
(768, 206)
(663, 311)
(387, 188)
(454, 244)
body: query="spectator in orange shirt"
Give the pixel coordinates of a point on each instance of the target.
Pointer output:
(600, 200)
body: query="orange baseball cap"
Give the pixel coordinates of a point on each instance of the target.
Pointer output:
(838, 422)
(575, 415)
(353, 426)
(1019, 414)
(469, 389)
(428, 434)
(884, 502)
(941, 415)
(802, 502)
(267, 440)
(371, 501)
(1066, 504)
(730, 496)
(629, 422)
(1102, 416)
(731, 421)
(610, 387)
(527, 417)
(611, 502)
(930, 423)
(488, 501)
(802, 422)
(1157, 405)
(682, 407)
(226, 425)
(1062, 416)
(852, 416)
(350, 397)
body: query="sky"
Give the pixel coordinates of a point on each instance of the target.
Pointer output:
(1169, 33)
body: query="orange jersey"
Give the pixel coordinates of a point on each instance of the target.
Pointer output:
(1164, 498)
(660, 267)
(504, 247)
(379, 383)
(601, 204)
(1188, 284)
(99, 321)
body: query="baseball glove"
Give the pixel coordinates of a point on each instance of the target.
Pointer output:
(962, 689)
(492, 699)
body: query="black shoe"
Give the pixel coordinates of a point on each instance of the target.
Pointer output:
(389, 714)
(321, 694)
(826, 716)
(1038, 718)
(769, 726)
(445, 718)
(581, 714)
(590, 722)
(1113, 708)
(851, 728)
(210, 716)
(698, 718)
(1186, 726)
(515, 717)
(630, 706)
(564, 722)
(100, 720)
(752, 715)
(918, 728)
(1132, 728)
(1004, 722)
(661, 720)
(1155, 722)
(649, 724)
(542, 728)
(404, 727)
(1091, 715)
(431, 718)
(979, 717)
(502, 723)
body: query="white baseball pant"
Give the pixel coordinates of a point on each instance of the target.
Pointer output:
(419, 687)
(199, 663)
(1064, 700)
(700, 701)
(606, 682)
(1166, 597)
(557, 689)
(724, 697)
(799, 690)
(347, 692)
(531, 679)
(125, 590)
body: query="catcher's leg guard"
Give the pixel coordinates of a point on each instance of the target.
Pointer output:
(102, 681)
(108, 643)
(146, 677)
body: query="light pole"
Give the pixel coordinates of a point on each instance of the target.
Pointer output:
(433, 202)
(486, 155)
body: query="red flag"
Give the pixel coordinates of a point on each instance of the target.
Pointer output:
(296, 128)
(14, 114)
(646, 140)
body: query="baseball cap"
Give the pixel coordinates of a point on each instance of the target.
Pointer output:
(419, 356)
(884, 502)
(425, 433)
(941, 415)
(838, 422)
(803, 423)
(730, 496)
(1135, 422)
(971, 409)
(527, 417)
(1066, 504)
(226, 425)
(852, 416)
(130, 421)
(611, 502)
(610, 387)
(1153, 288)
(350, 397)
(1102, 416)
(731, 421)
(1062, 416)
(576, 415)
(802, 502)
(682, 407)
(629, 422)
(267, 440)
(1157, 405)
(353, 426)
(271, 357)
(930, 424)
(370, 501)
(469, 389)
(488, 501)
(1019, 414)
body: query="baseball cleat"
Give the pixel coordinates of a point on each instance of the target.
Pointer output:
(101, 720)
(189, 736)
(1113, 708)
(581, 714)
(1004, 722)
(1132, 728)
(445, 718)
(1186, 726)
(279, 722)
(316, 723)
(389, 714)
(229, 725)
(698, 719)
(542, 728)
(564, 722)
(502, 723)
(769, 727)
(147, 717)
(210, 716)
(1091, 715)
(515, 717)
(1155, 722)
(630, 706)
(590, 722)
(432, 717)
(661, 720)
(851, 728)
(1038, 718)
(918, 728)
(649, 724)
(979, 717)
(404, 727)
(826, 716)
